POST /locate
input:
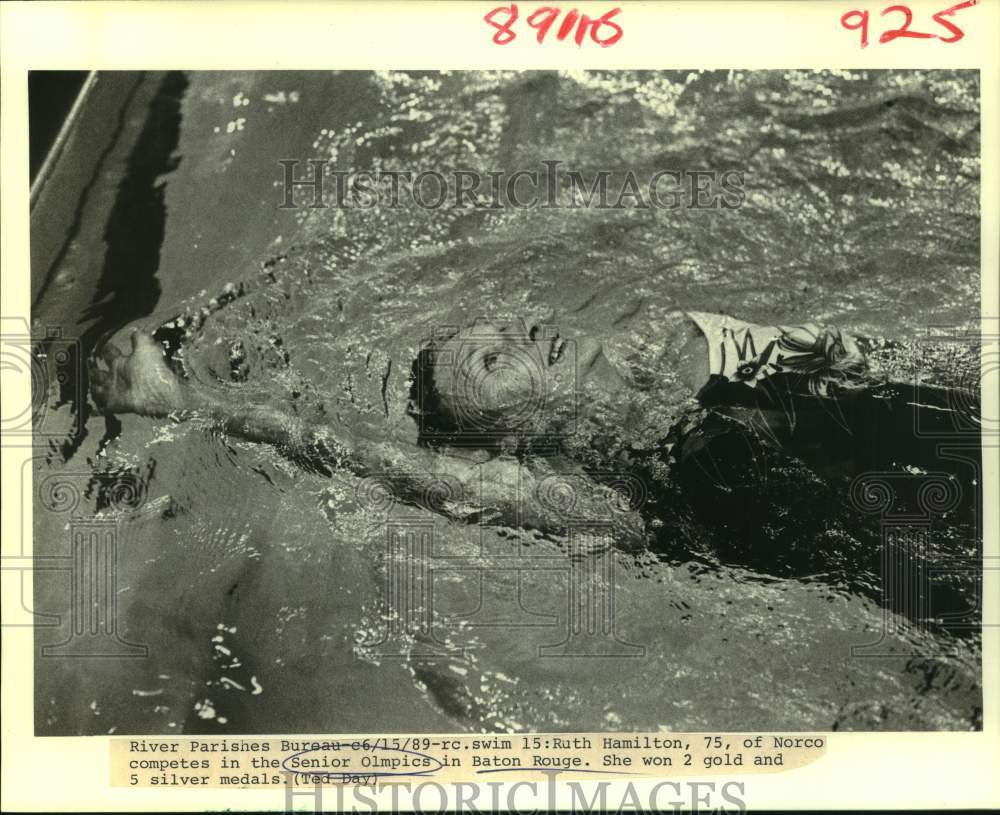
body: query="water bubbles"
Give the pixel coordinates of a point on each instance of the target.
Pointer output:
(205, 709)
(281, 97)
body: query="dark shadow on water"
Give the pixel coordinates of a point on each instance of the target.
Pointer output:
(870, 507)
(128, 287)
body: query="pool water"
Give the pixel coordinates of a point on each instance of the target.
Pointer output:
(270, 597)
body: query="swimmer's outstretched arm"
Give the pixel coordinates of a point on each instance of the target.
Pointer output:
(498, 492)
(142, 383)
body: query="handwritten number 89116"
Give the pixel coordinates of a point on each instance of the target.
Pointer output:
(603, 30)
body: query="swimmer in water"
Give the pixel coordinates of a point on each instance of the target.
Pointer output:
(509, 389)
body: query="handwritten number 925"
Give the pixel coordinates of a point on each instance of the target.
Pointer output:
(857, 20)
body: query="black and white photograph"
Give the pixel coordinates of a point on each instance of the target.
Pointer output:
(512, 401)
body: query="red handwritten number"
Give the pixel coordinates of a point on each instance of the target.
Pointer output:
(957, 32)
(567, 24)
(856, 19)
(511, 12)
(605, 20)
(603, 31)
(542, 19)
(863, 24)
(904, 29)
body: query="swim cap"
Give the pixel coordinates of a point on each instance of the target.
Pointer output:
(748, 353)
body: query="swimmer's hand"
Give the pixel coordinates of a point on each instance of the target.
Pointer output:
(142, 382)
(139, 382)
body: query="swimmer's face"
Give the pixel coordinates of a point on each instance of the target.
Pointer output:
(507, 377)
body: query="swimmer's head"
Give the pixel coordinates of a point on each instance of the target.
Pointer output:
(494, 380)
